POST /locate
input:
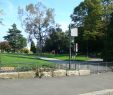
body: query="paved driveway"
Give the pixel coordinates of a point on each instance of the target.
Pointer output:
(57, 86)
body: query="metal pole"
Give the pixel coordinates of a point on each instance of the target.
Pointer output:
(69, 46)
(0, 60)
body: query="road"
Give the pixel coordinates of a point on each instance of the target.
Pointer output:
(57, 86)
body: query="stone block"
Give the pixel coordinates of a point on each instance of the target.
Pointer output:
(47, 74)
(15, 75)
(7, 68)
(72, 73)
(23, 75)
(84, 72)
(59, 73)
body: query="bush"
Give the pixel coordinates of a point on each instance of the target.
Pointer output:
(25, 50)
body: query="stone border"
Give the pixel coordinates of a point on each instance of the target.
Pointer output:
(41, 74)
(16, 75)
(102, 92)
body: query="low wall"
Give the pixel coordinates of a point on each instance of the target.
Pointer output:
(15, 75)
(102, 92)
(55, 73)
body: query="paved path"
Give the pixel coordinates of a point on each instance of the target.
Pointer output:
(94, 64)
(94, 60)
(57, 86)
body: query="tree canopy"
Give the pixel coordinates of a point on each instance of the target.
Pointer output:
(15, 39)
(92, 16)
(36, 19)
(57, 41)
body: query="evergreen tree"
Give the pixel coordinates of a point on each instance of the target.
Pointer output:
(15, 39)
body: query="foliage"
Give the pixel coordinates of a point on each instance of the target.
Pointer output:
(108, 51)
(15, 39)
(33, 48)
(57, 41)
(25, 50)
(36, 20)
(92, 16)
(4, 46)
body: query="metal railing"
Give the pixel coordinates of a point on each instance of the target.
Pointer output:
(94, 67)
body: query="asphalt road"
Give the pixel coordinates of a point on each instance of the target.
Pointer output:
(57, 86)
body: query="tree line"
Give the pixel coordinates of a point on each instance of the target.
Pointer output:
(94, 19)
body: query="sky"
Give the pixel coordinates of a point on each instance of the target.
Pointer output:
(63, 10)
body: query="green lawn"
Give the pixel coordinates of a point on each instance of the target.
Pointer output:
(66, 57)
(22, 60)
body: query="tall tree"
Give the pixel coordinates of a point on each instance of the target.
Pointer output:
(79, 14)
(108, 9)
(92, 16)
(57, 41)
(15, 39)
(36, 19)
(108, 51)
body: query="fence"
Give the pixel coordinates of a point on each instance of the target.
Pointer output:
(94, 67)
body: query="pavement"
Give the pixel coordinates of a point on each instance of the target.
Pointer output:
(57, 86)
(58, 61)
(95, 64)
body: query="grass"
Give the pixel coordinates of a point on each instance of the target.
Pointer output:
(16, 60)
(66, 57)
(22, 60)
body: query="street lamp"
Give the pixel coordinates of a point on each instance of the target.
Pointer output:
(73, 32)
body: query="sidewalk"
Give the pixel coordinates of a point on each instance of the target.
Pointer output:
(57, 86)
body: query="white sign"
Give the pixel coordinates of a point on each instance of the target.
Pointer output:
(76, 47)
(74, 32)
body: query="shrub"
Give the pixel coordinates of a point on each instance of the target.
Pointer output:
(25, 50)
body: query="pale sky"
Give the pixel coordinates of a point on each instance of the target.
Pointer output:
(63, 10)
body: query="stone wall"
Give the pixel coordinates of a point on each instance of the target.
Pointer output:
(15, 75)
(40, 74)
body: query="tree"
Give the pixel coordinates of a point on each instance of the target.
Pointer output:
(57, 41)
(33, 48)
(15, 39)
(4, 46)
(79, 14)
(92, 16)
(36, 20)
(108, 51)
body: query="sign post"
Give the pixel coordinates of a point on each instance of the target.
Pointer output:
(69, 46)
(72, 33)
